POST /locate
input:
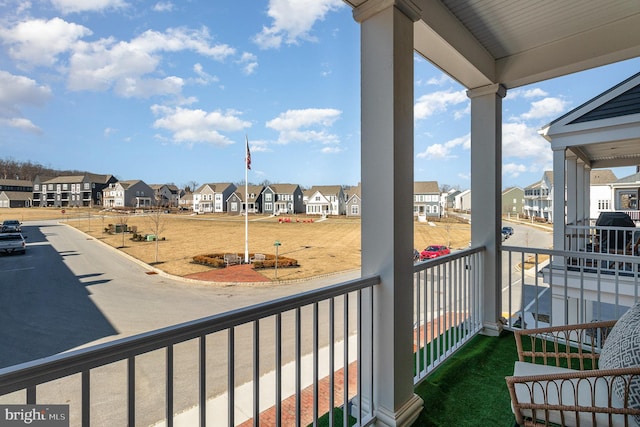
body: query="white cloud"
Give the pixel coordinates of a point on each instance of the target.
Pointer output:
(513, 170)
(525, 93)
(20, 123)
(249, 62)
(106, 63)
(293, 20)
(437, 102)
(306, 125)
(204, 78)
(547, 107)
(331, 150)
(71, 6)
(39, 43)
(444, 151)
(163, 6)
(522, 141)
(193, 126)
(441, 80)
(20, 91)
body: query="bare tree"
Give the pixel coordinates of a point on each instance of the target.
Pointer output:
(157, 221)
(124, 220)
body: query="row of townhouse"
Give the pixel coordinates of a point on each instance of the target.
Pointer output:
(274, 199)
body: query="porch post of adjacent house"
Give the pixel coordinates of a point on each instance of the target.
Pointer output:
(586, 193)
(387, 202)
(486, 195)
(560, 306)
(573, 189)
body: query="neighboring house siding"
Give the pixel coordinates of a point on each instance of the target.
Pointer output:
(513, 201)
(426, 199)
(212, 198)
(326, 200)
(539, 198)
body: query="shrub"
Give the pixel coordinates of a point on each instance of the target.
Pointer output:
(216, 260)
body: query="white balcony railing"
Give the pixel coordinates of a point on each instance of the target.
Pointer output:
(297, 355)
(543, 287)
(448, 309)
(603, 239)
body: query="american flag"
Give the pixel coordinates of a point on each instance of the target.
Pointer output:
(248, 156)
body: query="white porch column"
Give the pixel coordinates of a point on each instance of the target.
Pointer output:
(486, 195)
(387, 199)
(572, 189)
(559, 183)
(580, 192)
(586, 182)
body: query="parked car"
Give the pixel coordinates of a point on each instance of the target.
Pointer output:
(507, 230)
(11, 226)
(12, 243)
(434, 251)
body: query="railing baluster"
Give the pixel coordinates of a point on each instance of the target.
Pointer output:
(131, 390)
(256, 373)
(316, 349)
(345, 363)
(86, 398)
(169, 391)
(31, 395)
(231, 377)
(359, 353)
(203, 380)
(332, 367)
(298, 367)
(278, 369)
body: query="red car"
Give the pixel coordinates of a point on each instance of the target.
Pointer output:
(434, 251)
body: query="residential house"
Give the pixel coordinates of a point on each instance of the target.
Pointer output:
(625, 195)
(16, 193)
(462, 201)
(601, 195)
(538, 198)
(212, 197)
(282, 199)
(166, 195)
(236, 202)
(451, 198)
(185, 202)
(489, 48)
(325, 200)
(71, 190)
(129, 194)
(426, 199)
(513, 201)
(354, 201)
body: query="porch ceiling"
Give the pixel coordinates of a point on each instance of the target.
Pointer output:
(482, 42)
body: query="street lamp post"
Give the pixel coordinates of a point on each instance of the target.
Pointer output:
(277, 244)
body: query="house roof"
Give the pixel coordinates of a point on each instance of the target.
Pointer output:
(629, 179)
(218, 187)
(254, 190)
(16, 182)
(324, 189)
(17, 195)
(284, 188)
(516, 43)
(70, 179)
(602, 176)
(603, 132)
(424, 187)
(510, 189)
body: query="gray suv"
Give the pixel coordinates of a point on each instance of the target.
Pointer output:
(11, 226)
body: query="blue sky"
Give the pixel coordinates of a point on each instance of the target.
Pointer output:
(166, 91)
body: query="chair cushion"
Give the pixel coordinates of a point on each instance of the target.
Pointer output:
(589, 392)
(622, 350)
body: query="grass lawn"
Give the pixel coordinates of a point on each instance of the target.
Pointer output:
(321, 247)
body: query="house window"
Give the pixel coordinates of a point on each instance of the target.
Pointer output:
(317, 198)
(234, 206)
(267, 197)
(36, 187)
(355, 209)
(268, 206)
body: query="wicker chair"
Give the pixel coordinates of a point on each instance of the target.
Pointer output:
(558, 382)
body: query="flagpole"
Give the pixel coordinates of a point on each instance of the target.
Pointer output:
(246, 202)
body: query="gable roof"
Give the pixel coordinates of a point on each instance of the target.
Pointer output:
(424, 187)
(284, 188)
(629, 179)
(604, 131)
(602, 176)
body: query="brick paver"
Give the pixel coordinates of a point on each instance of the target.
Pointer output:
(233, 273)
